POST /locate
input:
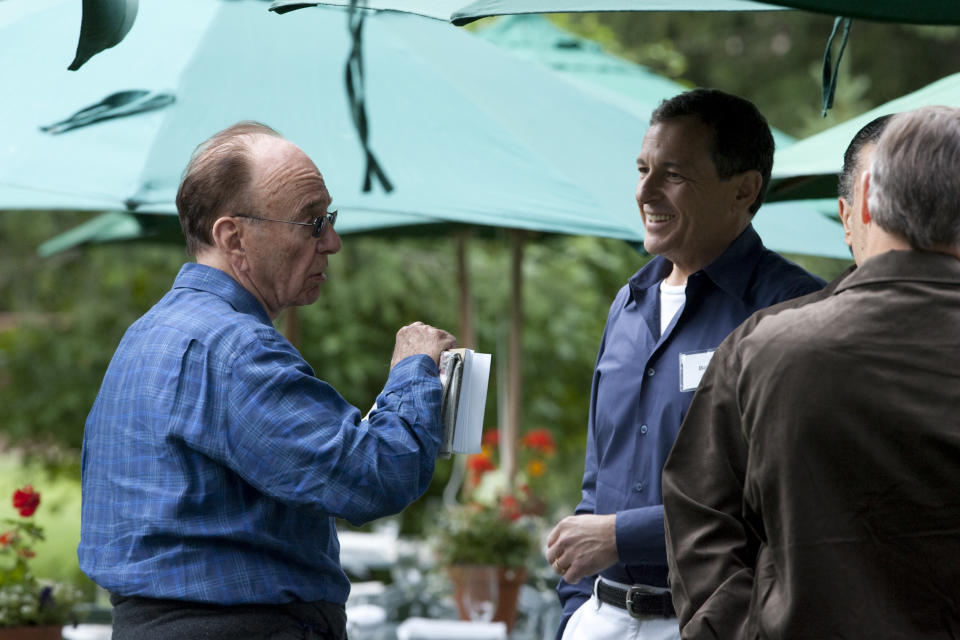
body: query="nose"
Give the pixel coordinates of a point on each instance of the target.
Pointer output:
(330, 241)
(646, 189)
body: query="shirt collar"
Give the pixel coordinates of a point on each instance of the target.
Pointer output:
(922, 266)
(204, 278)
(731, 271)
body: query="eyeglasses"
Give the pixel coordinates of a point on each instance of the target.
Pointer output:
(319, 223)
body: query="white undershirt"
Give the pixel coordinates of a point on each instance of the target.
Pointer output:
(672, 297)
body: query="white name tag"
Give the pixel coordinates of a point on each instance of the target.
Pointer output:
(692, 366)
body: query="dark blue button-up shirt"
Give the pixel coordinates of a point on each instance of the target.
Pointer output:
(637, 404)
(214, 460)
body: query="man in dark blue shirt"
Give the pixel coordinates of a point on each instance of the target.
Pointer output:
(704, 170)
(214, 459)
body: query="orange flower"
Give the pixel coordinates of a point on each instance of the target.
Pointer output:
(27, 553)
(26, 500)
(540, 440)
(536, 468)
(7, 538)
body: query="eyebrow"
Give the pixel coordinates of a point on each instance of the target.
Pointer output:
(667, 164)
(316, 208)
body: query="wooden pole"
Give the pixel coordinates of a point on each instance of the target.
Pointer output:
(465, 336)
(515, 349)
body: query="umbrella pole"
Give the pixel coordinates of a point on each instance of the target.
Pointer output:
(466, 337)
(515, 362)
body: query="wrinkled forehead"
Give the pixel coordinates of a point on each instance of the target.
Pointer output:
(284, 176)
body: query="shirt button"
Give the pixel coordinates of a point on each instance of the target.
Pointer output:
(651, 371)
(643, 428)
(638, 487)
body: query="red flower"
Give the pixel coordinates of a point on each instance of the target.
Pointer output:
(540, 440)
(7, 538)
(491, 438)
(480, 463)
(26, 501)
(510, 508)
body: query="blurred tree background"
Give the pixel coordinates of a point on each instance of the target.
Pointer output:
(62, 317)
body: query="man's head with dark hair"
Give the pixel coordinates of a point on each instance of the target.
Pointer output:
(741, 136)
(856, 160)
(852, 165)
(704, 167)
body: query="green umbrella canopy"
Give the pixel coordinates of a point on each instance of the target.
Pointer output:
(587, 65)
(809, 168)
(626, 86)
(468, 134)
(803, 228)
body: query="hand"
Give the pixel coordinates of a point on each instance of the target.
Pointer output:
(421, 338)
(580, 546)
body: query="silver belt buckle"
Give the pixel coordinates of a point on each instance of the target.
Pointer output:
(629, 601)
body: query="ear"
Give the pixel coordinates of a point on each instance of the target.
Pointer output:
(845, 211)
(228, 240)
(748, 188)
(864, 212)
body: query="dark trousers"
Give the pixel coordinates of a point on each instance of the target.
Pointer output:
(149, 619)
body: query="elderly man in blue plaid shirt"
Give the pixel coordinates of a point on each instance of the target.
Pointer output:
(214, 460)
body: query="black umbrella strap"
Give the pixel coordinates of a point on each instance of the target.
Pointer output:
(830, 70)
(357, 99)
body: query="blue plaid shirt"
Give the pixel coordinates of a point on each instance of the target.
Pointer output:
(214, 460)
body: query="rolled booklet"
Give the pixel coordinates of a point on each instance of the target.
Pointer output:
(464, 375)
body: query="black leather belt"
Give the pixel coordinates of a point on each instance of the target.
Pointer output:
(637, 600)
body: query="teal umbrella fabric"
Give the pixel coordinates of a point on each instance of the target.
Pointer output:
(790, 227)
(809, 168)
(469, 135)
(449, 165)
(587, 65)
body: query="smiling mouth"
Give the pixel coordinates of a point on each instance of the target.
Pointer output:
(653, 217)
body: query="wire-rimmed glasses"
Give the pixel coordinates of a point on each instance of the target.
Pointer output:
(319, 223)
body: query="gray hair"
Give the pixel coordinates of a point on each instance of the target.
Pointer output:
(914, 185)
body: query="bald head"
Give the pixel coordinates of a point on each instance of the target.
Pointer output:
(218, 180)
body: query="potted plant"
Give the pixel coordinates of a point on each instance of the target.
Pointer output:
(30, 608)
(488, 542)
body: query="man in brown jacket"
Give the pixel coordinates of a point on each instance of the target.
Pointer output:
(814, 488)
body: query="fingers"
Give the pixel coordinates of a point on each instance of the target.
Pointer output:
(555, 549)
(558, 567)
(582, 545)
(420, 338)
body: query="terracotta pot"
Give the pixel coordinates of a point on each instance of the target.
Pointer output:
(473, 584)
(47, 632)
